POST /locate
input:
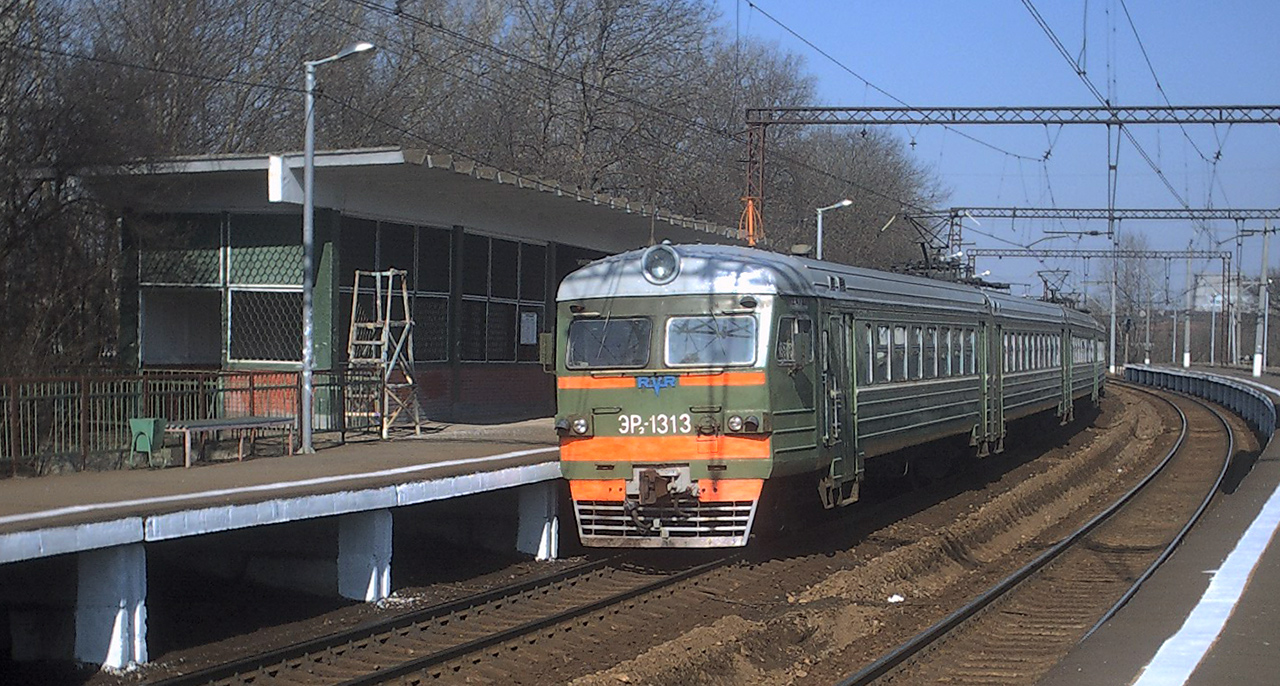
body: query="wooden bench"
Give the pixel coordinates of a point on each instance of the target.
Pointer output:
(240, 425)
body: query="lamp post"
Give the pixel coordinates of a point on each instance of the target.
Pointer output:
(843, 203)
(307, 390)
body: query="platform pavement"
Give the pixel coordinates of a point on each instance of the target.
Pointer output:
(58, 514)
(1247, 650)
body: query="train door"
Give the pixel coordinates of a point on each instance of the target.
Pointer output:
(840, 487)
(993, 356)
(1063, 359)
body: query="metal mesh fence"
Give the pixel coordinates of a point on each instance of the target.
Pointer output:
(266, 325)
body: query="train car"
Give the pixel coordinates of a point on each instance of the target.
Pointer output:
(689, 375)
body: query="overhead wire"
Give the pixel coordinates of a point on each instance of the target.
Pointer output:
(1102, 100)
(868, 84)
(1159, 86)
(150, 68)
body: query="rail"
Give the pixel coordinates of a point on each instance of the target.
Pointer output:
(75, 423)
(931, 636)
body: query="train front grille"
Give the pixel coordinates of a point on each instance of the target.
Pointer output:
(693, 524)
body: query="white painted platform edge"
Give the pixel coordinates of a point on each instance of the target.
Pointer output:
(45, 542)
(280, 510)
(27, 545)
(1181, 653)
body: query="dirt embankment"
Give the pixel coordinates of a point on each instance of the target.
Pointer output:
(851, 607)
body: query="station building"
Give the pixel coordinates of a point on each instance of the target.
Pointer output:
(217, 282)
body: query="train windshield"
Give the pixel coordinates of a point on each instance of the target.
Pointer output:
(711, 341)
(608, 343)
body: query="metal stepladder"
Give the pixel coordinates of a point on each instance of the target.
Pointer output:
(380, 344)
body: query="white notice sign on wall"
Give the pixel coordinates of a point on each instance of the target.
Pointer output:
(528, 328)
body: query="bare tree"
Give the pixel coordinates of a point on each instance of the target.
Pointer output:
(637, 98)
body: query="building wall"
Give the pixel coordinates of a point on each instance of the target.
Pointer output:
(485, 392)
(479, 302)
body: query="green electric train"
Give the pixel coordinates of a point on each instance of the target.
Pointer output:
(690, 375)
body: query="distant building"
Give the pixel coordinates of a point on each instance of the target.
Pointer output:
(484, 250)
(1210, 293)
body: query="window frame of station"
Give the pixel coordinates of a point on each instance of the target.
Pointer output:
(232, 234)
(526, 353)
(346, 278)
(1025, 350)
(905, 343)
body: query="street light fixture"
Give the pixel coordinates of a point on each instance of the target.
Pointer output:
(307, 390)
(843, 203)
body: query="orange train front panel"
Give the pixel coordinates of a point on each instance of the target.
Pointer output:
(665, 491)
(649, 449)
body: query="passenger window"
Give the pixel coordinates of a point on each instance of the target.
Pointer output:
(944, 352)
(971, 352)
(900, 352)
(914, 353)
(868, 356)
(882, 354)
(931, 352)
(957, 352)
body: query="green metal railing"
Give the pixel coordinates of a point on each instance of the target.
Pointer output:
(51, 424)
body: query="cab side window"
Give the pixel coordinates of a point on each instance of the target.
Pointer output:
(795, 341)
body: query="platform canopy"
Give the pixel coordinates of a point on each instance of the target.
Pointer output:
(411, 186)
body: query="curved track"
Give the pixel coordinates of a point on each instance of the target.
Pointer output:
(1021, 627)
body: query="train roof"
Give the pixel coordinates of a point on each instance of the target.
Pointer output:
(712, 269)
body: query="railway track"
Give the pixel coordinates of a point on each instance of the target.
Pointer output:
(1016, 631)
(585, 619)
(420, 646)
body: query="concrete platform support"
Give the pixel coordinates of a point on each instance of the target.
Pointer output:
(538, 530)
(111, 610)
(364, 555)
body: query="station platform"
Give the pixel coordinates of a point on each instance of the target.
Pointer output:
(68, 513)
(1211, 614)
(74, 548)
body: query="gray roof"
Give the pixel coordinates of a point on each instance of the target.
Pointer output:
(709, 269)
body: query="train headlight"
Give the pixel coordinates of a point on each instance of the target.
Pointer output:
(580, 426)
(660, 264)
(735, 423)
(751, 423)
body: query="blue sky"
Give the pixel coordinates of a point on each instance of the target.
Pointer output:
(992, 53)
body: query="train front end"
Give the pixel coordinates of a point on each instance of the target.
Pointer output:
(663, 411)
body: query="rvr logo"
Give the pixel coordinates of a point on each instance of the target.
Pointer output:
(657, 383)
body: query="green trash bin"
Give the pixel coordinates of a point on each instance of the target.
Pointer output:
(148, 437)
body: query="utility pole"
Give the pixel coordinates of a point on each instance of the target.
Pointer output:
(1213, 329)
(1260, 338)
(1146, 359)
(1186, 325)
(1168, 301)
(1266, 293)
